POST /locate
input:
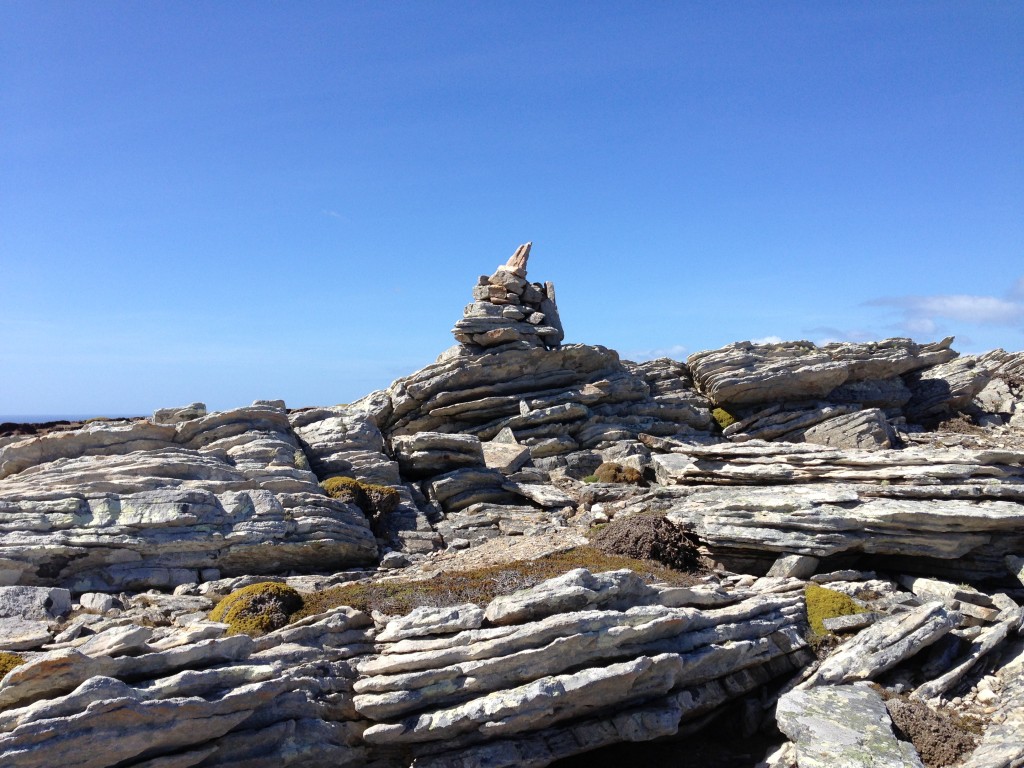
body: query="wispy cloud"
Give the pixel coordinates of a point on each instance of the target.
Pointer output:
(676, 352)
(827, 334)
(334, 214)
(922, 314)
(1017, 292)
(768, 340)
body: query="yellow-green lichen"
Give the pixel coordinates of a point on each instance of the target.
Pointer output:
(257, 609)
(827, 604)
(723, 417)
(9, 661)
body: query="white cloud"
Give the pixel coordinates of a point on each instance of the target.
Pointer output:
(676, 352)
(768, 340)
(922, 325)
(826, 334)
(921, 314)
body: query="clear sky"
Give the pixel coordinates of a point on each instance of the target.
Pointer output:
(230, 201)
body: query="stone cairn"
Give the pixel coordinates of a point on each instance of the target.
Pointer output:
(509, 312)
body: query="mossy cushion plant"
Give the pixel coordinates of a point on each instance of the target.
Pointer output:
(257, 609)
(9, 661)
(374, 500)
(723, 417)
(610, 472)
(827, 604)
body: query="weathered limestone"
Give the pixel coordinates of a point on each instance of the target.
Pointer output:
(809, 500)
(182, 413)
(745, 373)
(843, 725)
(215, 702)
(343, 441)
(220, 491)
(552, 401)
(37, 603)
(437, 684)
(867, 430)
(574, 590)
(570, 649)
(938, 391)
(884, 644)
(433, 453)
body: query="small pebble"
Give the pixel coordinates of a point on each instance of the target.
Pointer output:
(987, 696)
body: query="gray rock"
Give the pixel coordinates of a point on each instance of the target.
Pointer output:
(393, 560)
(345, 441)
(884, 645)
(794, 567)
(94, 439)
(851, 623)
(34, 603)
(457, 490)
(572, 591)
(781, 421)
(872, 393)
(843, 725)
(426, 621)
(182, 413)
(17, 634)
(939, 391)
(745, 373)
(433, 453)
(97, 602)
(504, 456)
(119, 641)
(214, 495)
(541, 494)
(867, 430)
(996, 398)
(1015, 565)
(1001, 744)
(936, 589)
(987, 640)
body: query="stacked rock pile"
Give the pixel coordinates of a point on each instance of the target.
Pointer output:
(507, 310)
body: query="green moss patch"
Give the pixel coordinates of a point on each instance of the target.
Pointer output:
(481, 585)
(9, 661)
(723, 417)
(258, 608)
(827, 604)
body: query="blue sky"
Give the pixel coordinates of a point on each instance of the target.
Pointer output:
(231, 201)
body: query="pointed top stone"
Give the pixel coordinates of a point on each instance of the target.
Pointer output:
(517, 261)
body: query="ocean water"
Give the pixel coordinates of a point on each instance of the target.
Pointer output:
(34, 418)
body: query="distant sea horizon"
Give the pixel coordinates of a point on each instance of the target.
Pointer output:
(36, 418)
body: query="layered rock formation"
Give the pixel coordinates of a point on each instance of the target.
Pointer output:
(136, 505)
(818, 466)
